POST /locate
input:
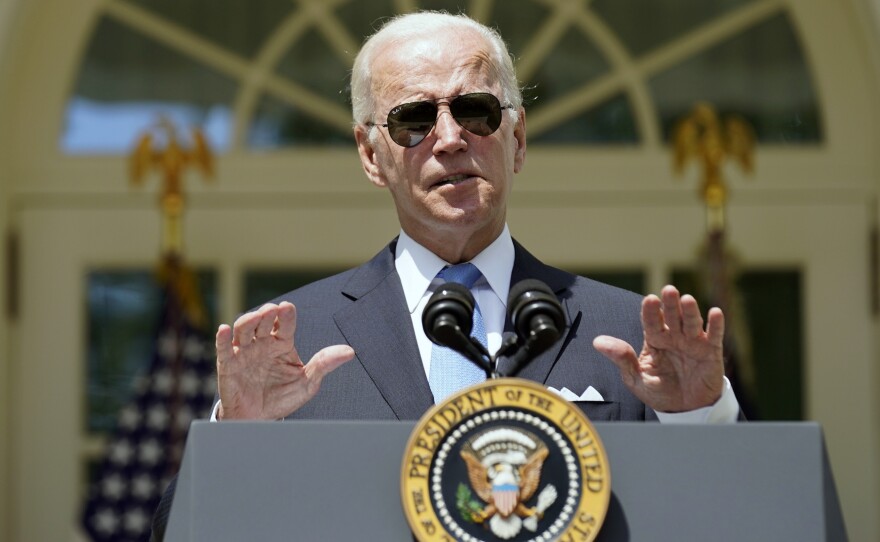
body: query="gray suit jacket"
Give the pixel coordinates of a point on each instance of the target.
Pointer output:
(366, 309)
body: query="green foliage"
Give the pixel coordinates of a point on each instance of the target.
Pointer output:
(468, 507)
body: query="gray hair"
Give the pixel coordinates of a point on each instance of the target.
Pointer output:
(363, 103)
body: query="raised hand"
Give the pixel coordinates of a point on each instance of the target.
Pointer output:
(260, 376)
(681, 365)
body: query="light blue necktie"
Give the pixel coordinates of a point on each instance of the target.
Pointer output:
(451, 371)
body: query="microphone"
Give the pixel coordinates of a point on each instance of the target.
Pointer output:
(448, 320)
(537, 318)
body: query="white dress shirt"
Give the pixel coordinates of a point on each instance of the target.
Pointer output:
(418, 268)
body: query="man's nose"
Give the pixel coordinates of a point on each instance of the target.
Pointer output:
(448, 132)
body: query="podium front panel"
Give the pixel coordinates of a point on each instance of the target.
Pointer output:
(320, 481)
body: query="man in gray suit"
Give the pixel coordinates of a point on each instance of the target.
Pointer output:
(439, 123)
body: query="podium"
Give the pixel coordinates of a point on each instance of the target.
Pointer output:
(340, 481)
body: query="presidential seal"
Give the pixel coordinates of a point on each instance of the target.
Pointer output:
(505, 460)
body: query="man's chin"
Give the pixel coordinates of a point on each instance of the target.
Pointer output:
(464, 223)
(458, 218)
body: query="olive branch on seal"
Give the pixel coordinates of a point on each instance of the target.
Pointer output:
(468, 507)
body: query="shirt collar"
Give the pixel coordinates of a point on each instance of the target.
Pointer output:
(417, 266)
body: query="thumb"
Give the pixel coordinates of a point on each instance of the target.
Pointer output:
(618, 351)
(326, 361)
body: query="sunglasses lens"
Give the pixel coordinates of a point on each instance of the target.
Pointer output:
(408, 124)
(477, 113)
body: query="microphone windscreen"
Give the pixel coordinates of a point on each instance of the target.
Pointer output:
(527, 285)
(448, 315)
(533, 308)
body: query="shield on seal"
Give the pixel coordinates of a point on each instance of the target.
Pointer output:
(505, 497)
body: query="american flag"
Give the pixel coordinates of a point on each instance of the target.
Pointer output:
(145, 449)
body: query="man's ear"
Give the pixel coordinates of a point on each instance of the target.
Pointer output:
(369, 159)
(519, 136)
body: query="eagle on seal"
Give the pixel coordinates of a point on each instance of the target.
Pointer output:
(505, 485)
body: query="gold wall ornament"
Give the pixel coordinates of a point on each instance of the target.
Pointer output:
(172, 160)
(711, 141)
(702, 136)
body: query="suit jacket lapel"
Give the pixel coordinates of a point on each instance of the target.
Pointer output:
(378, 326)
(526, 266)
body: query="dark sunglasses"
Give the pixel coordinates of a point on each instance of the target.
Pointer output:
(479, 113)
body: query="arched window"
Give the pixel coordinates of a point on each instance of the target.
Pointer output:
(274, 74)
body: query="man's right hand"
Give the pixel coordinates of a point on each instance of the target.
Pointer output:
(260, 376)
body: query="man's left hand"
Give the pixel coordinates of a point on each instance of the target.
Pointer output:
(681, 366)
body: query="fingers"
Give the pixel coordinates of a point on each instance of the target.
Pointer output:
(223, 343)
(259, 372)
(672, 313)
(285, 322)
(691, 319)
(270, 319)
(266, 323)
(671, 308)
(652, 315)
(680, 363)
(245, 327)
(715, 328)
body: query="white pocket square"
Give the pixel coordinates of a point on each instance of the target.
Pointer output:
(591, 394)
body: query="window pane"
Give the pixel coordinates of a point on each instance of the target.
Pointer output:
(312, 63)
(279, 124)
(642, 26)
(126, 80)
(363, 18)
(241, 27)
(123, 314)
(774, 308)
(771, 337)
(609, 122)
(452, 6)
(517, 22)
(759, 74)
(571, 64)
